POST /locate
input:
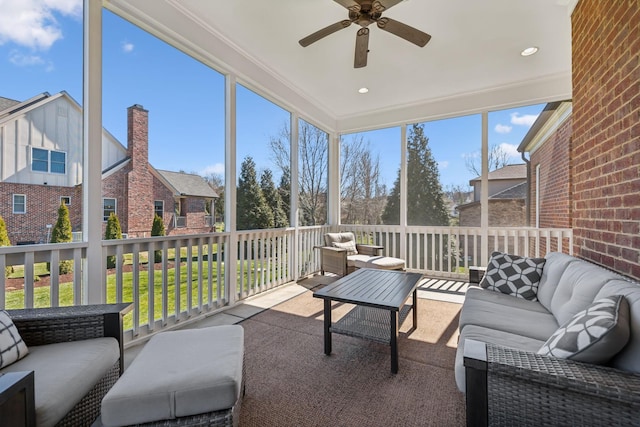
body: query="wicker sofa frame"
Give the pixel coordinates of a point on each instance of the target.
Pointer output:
(334, 260)
(507, 387)
(41, 326)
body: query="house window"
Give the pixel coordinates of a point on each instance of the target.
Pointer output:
(19, 204)
(48, 161)
(66, 200)
(108, 207)
(158, 208)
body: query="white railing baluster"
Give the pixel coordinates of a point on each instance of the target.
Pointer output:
(54, 279)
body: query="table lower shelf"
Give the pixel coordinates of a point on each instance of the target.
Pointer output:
(370, 323)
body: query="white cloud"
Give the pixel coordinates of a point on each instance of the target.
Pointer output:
(500, 128)
(524, 120)
(443, 164)
(216, 168)
(510, 149)
(22, 60)
(127, 47)
(32, 24)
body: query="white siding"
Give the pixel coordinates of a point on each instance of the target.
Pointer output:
(55, 124)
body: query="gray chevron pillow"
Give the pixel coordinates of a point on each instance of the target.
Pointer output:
(12, 348)
(513, 275)
(594, 335)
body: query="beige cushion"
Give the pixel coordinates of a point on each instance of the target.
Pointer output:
(330, 238)
(385, 263)
(65, 373)
(177, 374)
(350, 246)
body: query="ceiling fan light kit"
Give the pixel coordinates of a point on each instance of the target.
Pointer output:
(364, 13)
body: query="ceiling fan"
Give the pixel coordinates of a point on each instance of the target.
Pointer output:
(364, 13)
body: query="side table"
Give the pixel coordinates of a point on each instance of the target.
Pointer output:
(17, 399)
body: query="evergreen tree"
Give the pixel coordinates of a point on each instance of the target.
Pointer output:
(4, 241)
(425, 197)
(157, 229)
(61, 233)
(273, 199)
(112, 231)
(253, 213)
(285, 192)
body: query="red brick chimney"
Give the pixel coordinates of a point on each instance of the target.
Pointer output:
(139, 178)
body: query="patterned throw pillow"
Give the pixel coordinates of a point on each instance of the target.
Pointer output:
(593, 335)
(12, 348)
(513, 275)
(350, 246)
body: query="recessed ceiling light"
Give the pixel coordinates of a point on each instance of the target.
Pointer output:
(529, 51)
(363, 90)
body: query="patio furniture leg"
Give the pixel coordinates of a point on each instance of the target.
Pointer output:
(415, 308)
(394, 342)
(327, 327)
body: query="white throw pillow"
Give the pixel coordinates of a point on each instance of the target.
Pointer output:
(12, 348)
(350, 246)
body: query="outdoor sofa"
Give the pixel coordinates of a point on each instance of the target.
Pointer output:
(76, 355)
(571, 356)
(341, 255)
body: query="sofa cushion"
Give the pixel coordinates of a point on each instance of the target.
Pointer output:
(358, 261)
(195, 371)
(628, 358)
(577, 289)
(492, 336)
(593, 335)
(507, 314)
(12, 348)
(386, 263)
(350, 246)
(65, 373)
(330, 238)
(513, 275)
(556, 263)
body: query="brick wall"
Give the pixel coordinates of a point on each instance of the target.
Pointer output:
(502, 213)
(605, 152)
(555, 196)
(139, 178)
(115, 187)
(42, 209)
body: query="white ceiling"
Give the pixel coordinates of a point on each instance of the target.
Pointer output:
(472, 62)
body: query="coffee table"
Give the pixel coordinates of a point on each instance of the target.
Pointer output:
(380, 297)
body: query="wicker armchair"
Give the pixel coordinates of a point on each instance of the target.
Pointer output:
(334, 259)
(506, 387)
(42, 326)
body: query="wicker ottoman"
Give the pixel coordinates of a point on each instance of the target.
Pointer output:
(186, 377)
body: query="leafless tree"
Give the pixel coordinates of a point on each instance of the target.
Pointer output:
(497, 158)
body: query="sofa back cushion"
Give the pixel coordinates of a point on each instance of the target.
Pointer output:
(554, 266)
(628, 358)
(330, 238)
(577, 288)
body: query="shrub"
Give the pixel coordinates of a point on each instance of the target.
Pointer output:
(4, 241)
(157, 229)
(113, 231)
(61, 233)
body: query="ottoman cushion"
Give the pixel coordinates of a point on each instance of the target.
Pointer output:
(386, 263)
(179, 373)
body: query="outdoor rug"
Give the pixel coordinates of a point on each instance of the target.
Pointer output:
(290, 381)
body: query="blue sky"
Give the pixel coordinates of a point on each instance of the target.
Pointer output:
(41, 51)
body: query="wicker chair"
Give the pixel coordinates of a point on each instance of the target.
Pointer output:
(334, 259)
(506, 387)
(41, 326)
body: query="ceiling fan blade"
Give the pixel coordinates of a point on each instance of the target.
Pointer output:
(324, 32)
(362, 48)
(382, 5)
(404, 31)
(349, 4)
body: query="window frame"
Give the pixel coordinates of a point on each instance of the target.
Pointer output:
(65, 203)
(155, 210)
(24, 204)
(49, 161)
(115, 208)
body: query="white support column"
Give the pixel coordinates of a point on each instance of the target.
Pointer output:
(333, 180)
(93, 286)
(403, 190)
(484, 191)
(293, 194)
(231, 253)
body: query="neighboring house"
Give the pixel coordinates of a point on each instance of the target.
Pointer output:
(41, 166)
(548, 143)
(507, 198)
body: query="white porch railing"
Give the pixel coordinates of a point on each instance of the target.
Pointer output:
(190, 279)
